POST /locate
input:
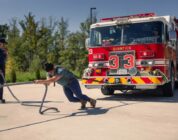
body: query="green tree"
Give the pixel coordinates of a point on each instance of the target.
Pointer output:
(29, 39)
(61, 36)
(3, 30)
(82, 60)
(85, 27)
(46, 39)
(14, 45)
(35, 42)
(74, 56)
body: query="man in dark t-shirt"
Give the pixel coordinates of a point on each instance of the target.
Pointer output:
(3, 56)
(70, 84)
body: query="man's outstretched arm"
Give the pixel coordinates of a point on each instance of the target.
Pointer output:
(49, 80)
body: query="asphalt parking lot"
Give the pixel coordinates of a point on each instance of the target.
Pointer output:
(134, 116)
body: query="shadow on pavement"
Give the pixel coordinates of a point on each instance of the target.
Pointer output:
(96, 111)
(85, 112)
(146, 96)
(32, 103)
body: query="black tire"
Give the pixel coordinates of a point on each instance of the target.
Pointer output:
(176, 84)
(107, 90)
(168, 88)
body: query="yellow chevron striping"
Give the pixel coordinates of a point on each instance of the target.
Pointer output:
(123, 80)
(138, 80)
(155, 80)
(84, 81)
(97, 81)
(111, 80)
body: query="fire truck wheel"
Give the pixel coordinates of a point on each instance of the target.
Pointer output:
(168, 88)
(176, 84)
(107, 91)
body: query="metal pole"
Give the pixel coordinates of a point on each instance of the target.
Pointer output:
(91, 14)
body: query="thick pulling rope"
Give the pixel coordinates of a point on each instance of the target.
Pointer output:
(14, 84)
(41, 111)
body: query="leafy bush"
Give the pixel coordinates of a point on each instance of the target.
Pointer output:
(35, 64)
(13, 77)
(37, 74)
(26, 76)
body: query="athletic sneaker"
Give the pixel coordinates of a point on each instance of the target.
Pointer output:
(2, 101)
(83, 104)
(93, 103)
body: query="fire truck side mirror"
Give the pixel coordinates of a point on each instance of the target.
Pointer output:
(172, 35)
(87, 42)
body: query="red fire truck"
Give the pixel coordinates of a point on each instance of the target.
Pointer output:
(133, 52)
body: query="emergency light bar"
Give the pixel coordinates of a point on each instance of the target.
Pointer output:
(129, 17)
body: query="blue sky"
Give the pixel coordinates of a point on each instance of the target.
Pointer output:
(76, 11)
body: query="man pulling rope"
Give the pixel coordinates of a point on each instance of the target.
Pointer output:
(70, 84)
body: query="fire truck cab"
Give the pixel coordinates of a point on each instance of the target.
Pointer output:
(133, 52)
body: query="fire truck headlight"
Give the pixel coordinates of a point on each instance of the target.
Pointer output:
(98, 65)
(95, 65)
(90, 65)
(147, 62)
(87, 72)
(133, 71)
(151, 62)
(106, 64)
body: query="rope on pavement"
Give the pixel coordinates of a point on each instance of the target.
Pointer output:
(41, 111)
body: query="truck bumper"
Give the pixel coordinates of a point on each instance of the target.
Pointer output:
(134, 82)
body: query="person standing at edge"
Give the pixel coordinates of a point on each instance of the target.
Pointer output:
(3, 57)
(70, 84)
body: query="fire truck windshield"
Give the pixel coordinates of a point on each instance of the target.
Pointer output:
(127, 34)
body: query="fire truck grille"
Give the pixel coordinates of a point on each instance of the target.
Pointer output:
(121, 62)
